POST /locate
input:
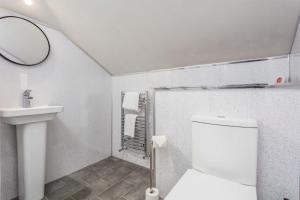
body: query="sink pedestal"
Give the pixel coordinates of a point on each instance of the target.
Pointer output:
(31, 139)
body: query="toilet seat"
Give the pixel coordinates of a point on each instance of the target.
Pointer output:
(195, 185)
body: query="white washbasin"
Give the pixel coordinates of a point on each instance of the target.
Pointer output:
(15, 116)
(31, 138)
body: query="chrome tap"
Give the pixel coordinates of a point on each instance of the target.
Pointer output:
(26, 99)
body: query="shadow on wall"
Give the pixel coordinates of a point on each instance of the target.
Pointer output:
(75, 135)
(177, 159)
(71, 145)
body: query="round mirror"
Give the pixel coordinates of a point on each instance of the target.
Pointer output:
(22, 42)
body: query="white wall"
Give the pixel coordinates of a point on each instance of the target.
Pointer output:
(80, 135)
(273, 182)
(295, 58)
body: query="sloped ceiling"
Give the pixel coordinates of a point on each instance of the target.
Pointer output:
(127, 36)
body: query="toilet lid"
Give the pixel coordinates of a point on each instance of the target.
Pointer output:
(195, 185)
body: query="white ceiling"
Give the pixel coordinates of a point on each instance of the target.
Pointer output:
(128, 36)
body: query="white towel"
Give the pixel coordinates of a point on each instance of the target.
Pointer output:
(131, 101)
(129, 128)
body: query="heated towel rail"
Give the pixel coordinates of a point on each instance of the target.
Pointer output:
(138, 143)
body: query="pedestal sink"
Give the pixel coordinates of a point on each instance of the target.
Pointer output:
(31, 138)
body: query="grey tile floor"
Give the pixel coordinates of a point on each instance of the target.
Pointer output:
(109, 179)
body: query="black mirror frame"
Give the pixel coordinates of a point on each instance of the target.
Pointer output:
(49, 48)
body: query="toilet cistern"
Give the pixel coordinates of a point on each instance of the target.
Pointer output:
(224, 160)
(27, 99)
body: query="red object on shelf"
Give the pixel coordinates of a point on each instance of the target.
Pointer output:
(279, 80)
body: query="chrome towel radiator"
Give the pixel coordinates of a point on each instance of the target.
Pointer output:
(138, 143)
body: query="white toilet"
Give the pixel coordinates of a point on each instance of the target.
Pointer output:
(224, 161)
